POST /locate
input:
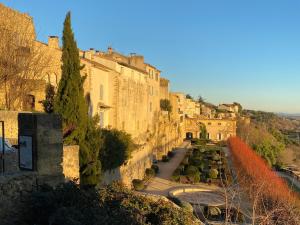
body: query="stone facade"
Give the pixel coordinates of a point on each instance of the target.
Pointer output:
(10, 119)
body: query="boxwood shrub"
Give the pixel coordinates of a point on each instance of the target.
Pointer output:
(138, 184)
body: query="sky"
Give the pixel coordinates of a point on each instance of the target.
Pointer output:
(245, 51)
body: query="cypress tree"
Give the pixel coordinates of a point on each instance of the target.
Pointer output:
(69, 101)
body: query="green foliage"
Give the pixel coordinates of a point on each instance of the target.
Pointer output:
(171, 154)
(155, 168)
(203, 132)
(138, 185)
(116, 149)
(213, 173)
(193, 173)
(90, 165)
(69, 101)
(165, 105)
(188, 96)
(48, 103)
(165, 158)
(149, 172)
(269, 151)
(69, 205)
(176, 175)
(186, 206)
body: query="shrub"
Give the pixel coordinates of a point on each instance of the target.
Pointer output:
(193, 173)
(176, 175)
(138, 185)
(155, 168)
(185, 161)
(165, 105)
(216, 157)
(213, 173)
(150, 172)
(116, 148)
(113, 204)
(165, 158)
(186, 206)
(171, 154)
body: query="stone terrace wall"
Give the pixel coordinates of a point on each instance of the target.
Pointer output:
(15, 190)
(71, 162)
(166, 138)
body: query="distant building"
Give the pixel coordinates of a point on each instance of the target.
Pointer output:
(234, 108)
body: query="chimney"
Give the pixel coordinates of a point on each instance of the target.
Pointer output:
(53, 42)
(109, 50)
(92, 51)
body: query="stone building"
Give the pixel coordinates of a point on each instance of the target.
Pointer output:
(27, 72)
(217, 129)
(164, 89)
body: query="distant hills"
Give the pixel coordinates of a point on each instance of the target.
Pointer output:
(290, 115)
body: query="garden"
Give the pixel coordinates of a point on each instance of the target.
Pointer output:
(204, 163)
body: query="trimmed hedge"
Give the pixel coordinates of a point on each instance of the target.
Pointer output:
(155, 168)
(213, 173)
(165, 158)
(171, 154)
(150, 172)
(138, 184)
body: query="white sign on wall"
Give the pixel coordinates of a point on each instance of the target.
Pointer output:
(26, 155)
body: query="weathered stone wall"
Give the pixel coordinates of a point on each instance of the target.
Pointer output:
(15, 189)
(166, 137)
(134, 169)
(10, 119)
(11, 162)
(71, 162)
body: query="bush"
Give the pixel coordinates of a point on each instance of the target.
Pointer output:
(171, 154)
(150, 172)
(216, 157)
(116, 148)
(186, 206)
(193, 173)
(165, 158)
(138, 185)
(213, 173)
(155, 168)
(165, 105)
(185, 161)
(176, 175)
(113, 204)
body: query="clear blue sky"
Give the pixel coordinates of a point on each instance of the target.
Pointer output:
(225, 50)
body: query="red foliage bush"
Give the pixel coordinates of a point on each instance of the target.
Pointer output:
(250, 165)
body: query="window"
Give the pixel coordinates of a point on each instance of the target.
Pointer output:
(219, 124)
(220, 136)
(208, 136)
(101, 92)
(156, 76)
(150, 106)
(209, 123)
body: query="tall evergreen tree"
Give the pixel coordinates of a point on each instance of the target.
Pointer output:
(69, 101)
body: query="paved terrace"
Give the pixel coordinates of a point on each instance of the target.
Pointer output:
(162, 184)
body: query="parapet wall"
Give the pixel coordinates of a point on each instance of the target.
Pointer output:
(15, 189)
(71, 163)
